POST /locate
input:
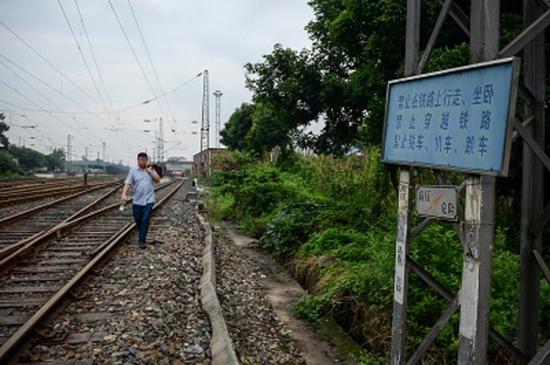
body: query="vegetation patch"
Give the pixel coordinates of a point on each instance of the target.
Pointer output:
(332, 220)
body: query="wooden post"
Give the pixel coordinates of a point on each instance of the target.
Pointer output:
(401, 281)
(532, 188)
(479, 212)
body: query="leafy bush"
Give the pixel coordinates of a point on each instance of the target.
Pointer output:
(334, 219)
(8, 166)
(292, 224)
(309, 306)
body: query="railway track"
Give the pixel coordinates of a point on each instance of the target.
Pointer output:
(23, 226)
(37, 281)
(17, 194)
(34, 181)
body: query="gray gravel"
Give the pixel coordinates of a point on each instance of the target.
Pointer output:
(257, 334)
(141, 306)
(21, 207)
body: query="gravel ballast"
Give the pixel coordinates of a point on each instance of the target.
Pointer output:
(257, 334)
(141, 306)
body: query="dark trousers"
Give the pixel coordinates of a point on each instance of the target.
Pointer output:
(142, 214)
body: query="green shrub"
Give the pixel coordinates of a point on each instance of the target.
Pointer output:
(309, 306)
(292, 224)
(345, 210)
(346, 244)
(220, 206)
(8, 166)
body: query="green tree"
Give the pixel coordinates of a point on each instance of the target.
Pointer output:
(7, 164)
(55, 160)
(286, 88)
(4, 143)
(269, 129)
(234, 134)
(358, 45)
(28, 158)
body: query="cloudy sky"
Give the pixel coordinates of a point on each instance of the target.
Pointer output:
(57, 94)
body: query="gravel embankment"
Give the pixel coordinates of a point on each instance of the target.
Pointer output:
(142, 306)
(257, 335)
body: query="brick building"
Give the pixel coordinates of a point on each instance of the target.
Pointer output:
(208, 161)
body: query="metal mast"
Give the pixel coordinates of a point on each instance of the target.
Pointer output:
(156, 147)
(161, 141)
(218, 95)
(104, 156)
(205, 127)
(86, 159)
(69, 153)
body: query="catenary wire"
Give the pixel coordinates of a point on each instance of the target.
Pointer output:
(56, 69)
(150, 59)
(83, 58)
(140, 65)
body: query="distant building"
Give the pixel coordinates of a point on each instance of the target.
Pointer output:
(208, 161)
(178, 166)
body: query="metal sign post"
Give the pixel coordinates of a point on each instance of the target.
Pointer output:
(401, 281)
(449, 147)
(479, 218)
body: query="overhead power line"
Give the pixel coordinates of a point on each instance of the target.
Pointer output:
(144, 74)
(87, 111)
(49, 86)
(150, 60)
(62, 74)
(83, 57)
(40, 93)
(162, 95)
(100, 74)
(36, 104)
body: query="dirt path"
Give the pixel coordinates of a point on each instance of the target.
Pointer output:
(282, 290)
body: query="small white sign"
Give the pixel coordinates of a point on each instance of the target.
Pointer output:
(437, 202)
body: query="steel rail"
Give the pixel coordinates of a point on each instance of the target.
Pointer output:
(16, 338)
(76, 219)
(44, 185)
(18, 216)
(38, 236)
(17, 198)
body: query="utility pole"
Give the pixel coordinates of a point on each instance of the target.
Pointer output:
(104, 157)
(155, 148)
(218, 94)
(85, 160)
(161, 141)
(406, 185)
(205, 127)
(68, 166)
(479, 213)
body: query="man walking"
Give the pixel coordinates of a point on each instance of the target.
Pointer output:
(141, 178)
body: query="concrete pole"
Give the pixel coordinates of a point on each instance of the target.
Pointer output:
(401, 278)
(479, 214)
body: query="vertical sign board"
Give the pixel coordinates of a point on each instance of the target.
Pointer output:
(401, 242)
(456, 119)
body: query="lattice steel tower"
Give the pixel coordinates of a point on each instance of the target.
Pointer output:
(218, 94)
(205, 127)
(160, 141)
(68, 158)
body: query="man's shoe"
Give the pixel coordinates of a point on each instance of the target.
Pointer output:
(141, 245)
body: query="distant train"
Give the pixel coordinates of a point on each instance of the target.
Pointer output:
(178, 166)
